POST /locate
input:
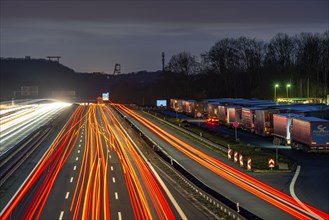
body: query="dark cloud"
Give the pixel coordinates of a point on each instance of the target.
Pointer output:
(93, 35)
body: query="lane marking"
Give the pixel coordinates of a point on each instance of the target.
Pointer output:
(111, 168)
(80, 140)
(61, 215)
(75, 167)
(171, 197)
(110, 156)
(293, 194)
(77, 158)
(113, 179)
(71, 180)
(119, 216)
(67, 195)
(78, 151)
(116, 195)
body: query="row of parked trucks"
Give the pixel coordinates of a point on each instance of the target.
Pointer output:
(303, 126)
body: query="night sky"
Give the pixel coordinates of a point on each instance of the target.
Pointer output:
(93, 36)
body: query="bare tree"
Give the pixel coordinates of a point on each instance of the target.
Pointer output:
(185, 65)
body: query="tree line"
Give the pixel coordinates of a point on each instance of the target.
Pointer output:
(249, 68)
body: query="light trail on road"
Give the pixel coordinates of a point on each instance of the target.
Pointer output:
(149, 180)
(90, 199)
(23, 120)
(265, 192)
(53, 160)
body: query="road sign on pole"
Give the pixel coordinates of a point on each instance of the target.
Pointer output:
(249, 164)
(235, 156)
(229, 153)
(236, 125)
(241, 160)
(271, 163)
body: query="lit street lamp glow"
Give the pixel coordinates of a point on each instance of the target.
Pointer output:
(287, 87)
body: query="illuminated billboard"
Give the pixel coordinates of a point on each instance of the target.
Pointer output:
(161, 103)
(105, 96)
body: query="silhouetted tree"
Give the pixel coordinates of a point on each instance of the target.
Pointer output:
(185, 65)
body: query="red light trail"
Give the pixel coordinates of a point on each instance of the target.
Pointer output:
(264, 191)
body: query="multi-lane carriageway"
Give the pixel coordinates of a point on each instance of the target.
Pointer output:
(286, 203)
(93, 170)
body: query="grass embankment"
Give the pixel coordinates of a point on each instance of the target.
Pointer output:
(259, 156)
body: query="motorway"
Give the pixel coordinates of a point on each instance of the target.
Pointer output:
(93, 170)
(19, 121)
(207, 166)
(313, 181)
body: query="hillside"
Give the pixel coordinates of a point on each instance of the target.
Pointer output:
(52, 77)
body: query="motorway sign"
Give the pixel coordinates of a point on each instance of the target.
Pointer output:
(271, 163)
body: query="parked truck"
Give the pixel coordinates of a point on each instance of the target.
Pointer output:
(193, 108)
(310, 134)
(176, 105)
(233, 115)
(282, 127)
(248, 118)
(264, 121)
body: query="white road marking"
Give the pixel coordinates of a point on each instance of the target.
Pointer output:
(79, 145)
(119, 216)
(111, 168)
(116, 195)
(67, 195)
(80, 140)
(113, 179)
(109, 156)
(78, 151)
(293, 194)
(75, 167)
(71, 180)
(178, 208)
(61, 215)
(77, 158)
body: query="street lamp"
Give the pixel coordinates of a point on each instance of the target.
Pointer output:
(287, 87)
(275, 87)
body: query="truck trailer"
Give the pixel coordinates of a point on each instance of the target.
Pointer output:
(282, 127)
(264, 121)
(310, 134)
(248, 118)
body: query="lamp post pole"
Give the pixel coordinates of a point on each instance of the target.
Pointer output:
(275, 87)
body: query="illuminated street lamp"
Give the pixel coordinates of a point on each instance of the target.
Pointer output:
(287, 87)
(275, 87)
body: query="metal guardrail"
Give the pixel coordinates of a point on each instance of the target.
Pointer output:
(15, 158)
(225, 205)
(217, 146)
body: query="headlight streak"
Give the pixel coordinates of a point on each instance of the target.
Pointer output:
(148, 177)
(90, 199)
(48, 161)
(256, 187)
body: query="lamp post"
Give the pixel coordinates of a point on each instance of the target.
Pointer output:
(275, 87)
(287, 87)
